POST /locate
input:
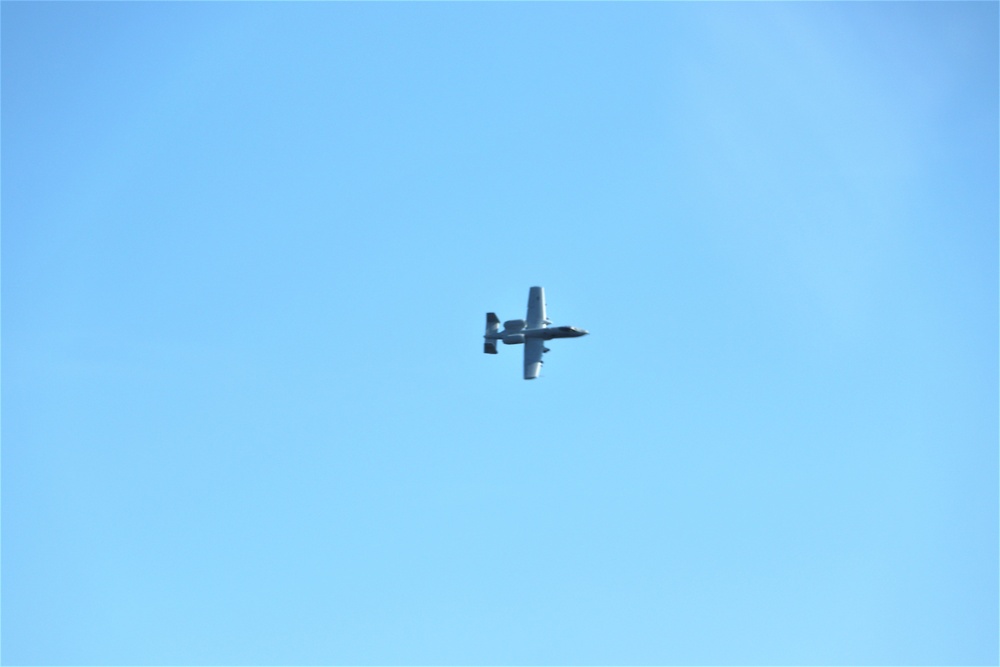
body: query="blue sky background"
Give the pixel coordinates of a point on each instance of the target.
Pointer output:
(247, 252)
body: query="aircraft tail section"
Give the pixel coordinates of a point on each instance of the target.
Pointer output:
(492, 327)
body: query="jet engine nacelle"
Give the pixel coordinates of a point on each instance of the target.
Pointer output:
(513, 339)
(514, 325)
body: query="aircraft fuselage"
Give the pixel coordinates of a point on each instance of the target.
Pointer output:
(545, 333)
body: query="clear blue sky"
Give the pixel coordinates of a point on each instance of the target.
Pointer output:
(247, 252)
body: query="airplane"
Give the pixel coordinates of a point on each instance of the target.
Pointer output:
(532, 332)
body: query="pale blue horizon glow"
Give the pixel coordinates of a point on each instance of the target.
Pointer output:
(247, 253)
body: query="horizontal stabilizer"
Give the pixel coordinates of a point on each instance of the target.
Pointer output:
(492, 327)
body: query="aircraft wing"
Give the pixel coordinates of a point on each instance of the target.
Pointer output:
(533, 350)
(536, 308)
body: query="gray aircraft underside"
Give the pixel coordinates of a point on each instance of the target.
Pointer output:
(532, 332)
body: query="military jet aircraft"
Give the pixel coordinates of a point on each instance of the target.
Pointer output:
(532, 332)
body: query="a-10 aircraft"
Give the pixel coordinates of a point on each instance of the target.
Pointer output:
(532, 332)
